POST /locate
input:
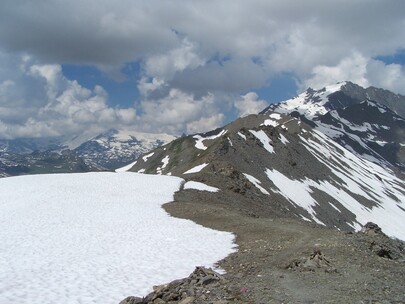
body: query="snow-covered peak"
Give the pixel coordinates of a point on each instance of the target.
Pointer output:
(310, 103)
(116, 148)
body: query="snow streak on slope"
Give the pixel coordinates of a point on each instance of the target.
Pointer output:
(354, 178)
(264, 139)
(125, 168)
(196, 169)
(95, 238)
(199, 144)
(256, 182)
(199, 186)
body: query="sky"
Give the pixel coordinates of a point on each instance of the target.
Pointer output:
(178, 66)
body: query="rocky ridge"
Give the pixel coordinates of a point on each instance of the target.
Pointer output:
(337, 177)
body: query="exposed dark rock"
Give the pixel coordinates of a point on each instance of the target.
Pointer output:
(195, 288)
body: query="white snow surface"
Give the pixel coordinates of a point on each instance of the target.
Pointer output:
(303, 104)
(242, 135)
(96, 238)
(356, 177)
(283, 139)
(145, 158)
(256, 182)
(199, 140)
(165, 162)
(125, 168)
(199, 186)
(270, 122)
(264, 139)
(196, 169)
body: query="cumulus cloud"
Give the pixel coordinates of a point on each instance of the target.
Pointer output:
(178, 111)
(249, 104)
(361, 70)
(181, 35)
(195, 57)
(66, 107)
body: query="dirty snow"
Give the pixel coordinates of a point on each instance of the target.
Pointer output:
(96, 238)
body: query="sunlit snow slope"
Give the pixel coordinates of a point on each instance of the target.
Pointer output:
(95, 238)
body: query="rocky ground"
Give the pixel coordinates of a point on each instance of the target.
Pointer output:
(285, 260)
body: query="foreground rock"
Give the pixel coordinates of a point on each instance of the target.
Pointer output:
(202, 286)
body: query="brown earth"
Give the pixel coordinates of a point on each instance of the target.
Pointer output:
(286, 260)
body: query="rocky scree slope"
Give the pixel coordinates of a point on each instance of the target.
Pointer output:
(305, 160)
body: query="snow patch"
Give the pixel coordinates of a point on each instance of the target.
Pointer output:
(199, 186)
(125, 168)
(145, 158)
(283, 139)
(296, 191)
(270, 122)
(165, 162)
(275, 116)
(256, 182)
(196, 169)
(360, 177)
(264, 139)
(199, 143)
(242, 135)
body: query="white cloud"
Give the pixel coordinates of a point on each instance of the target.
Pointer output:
(177, 60)
(361, 70)
(249, 104)
(195, 56)
(180, 39)
(66, 107)
(177, 111)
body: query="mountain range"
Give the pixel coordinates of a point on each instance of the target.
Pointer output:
(334, 157)
(105, 151)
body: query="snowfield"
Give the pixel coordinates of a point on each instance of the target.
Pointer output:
(96, 238)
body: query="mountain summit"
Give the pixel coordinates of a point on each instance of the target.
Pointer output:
(334, 161)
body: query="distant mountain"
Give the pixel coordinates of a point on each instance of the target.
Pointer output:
(115, 148)
(105, 151)
(40, 162)
(335, 162)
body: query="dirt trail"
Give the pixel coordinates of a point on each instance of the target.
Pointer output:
(258, 272)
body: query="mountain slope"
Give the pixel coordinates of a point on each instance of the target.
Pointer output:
(303, 166)
(312, 103)
(347, 113)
